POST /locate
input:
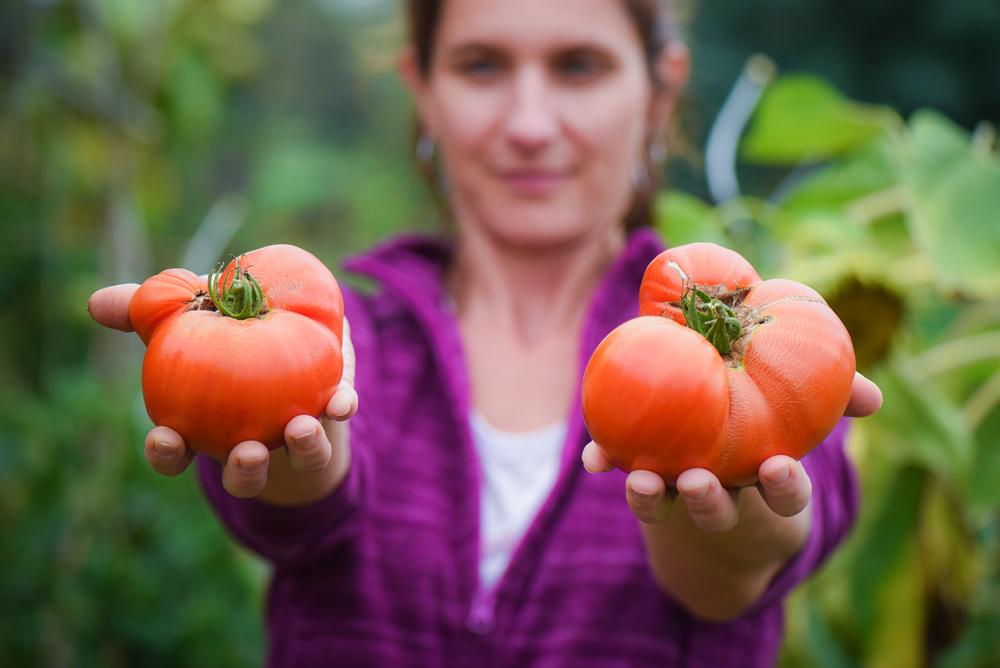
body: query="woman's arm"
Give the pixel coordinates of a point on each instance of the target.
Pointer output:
(717, 551)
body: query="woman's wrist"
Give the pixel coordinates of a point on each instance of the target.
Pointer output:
(718, 575)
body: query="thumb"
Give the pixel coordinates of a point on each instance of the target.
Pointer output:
(109, 306)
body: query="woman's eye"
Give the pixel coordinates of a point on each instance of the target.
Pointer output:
(479, 67)
(580, 66)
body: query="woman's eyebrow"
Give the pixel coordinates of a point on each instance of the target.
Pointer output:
(476, 47)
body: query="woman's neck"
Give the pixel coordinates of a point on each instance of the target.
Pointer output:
(528, 294)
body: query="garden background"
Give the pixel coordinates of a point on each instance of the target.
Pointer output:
(858, 154)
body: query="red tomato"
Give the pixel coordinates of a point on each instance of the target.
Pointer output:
(218, 380)
(720, 371)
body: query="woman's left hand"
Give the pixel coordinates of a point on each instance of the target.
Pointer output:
(783, 482)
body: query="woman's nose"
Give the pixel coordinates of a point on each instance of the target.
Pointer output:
(531, 121)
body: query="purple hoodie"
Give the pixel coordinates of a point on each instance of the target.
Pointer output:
(385, 571)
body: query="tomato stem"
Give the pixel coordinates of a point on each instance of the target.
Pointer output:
(712, 318)
(235, 292)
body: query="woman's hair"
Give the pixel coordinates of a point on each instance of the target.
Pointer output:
(653, 22)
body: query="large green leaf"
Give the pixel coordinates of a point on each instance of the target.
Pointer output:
(682, 218)
(196, 96)
(294, 176)
(883, 546)
(955, 194)
(803, 118)
(982, 484)
(810, 637)
(918, 423)
(845, 181)
(895, 637)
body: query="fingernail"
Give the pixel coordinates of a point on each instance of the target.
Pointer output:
(697, 493)
(340, 407)
(642, 491)
(778, 475)
(163, 450)
(304, 437)
(247, 465)
(347, 404)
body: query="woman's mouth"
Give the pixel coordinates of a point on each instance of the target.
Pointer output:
(533, 182)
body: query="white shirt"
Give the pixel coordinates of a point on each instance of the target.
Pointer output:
(518, 470)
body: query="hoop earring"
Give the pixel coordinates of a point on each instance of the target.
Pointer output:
(425, 149)
(657, 152)
(639, 175)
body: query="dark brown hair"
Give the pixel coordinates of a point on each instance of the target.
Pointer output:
(655, 26)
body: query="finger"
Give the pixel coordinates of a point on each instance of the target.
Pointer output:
(166, 452)
(594, 459)
(344, 402)
(712, 507)
(308, 446)
(785, 485)
(647, 496)
(866, 397)
(350, 361)
(109, 306)
(245, 472)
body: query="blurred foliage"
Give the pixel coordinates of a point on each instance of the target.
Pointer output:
(139, 135)
(897, 223)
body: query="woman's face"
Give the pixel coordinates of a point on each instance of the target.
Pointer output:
(541, 111)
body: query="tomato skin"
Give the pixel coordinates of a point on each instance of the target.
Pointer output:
(217, 380)
(651, 390)
(659, 402)
(161, 297)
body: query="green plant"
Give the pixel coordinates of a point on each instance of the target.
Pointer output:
(897, 223)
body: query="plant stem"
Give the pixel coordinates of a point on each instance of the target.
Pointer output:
(711, 318)
(235, 293)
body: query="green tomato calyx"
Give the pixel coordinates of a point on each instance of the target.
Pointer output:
(235, 293)
(712, 318)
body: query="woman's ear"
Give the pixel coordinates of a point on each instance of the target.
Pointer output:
(673, 66)
(408, 68)
(673, 69)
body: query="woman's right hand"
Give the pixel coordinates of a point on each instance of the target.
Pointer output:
(316, 456)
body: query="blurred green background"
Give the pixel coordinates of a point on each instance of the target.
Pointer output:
(138, 134)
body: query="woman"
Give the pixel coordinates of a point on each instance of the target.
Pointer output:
(450, 523)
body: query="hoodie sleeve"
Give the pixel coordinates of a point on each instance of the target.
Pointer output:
(297, 535)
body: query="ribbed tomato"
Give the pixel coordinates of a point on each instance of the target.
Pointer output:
(721, 370)
(236, 356)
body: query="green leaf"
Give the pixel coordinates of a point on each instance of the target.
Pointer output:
(293, 177)
(981, 486)
(196, 96)
(682, 218)
(920, 423)
(845, 181)
(830, 652)
(883, 545)
(955, 208)
(130, 20)
(803, 118)
(896, 634)
(978, 646)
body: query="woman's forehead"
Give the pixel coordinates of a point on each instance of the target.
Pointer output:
(535, 23)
